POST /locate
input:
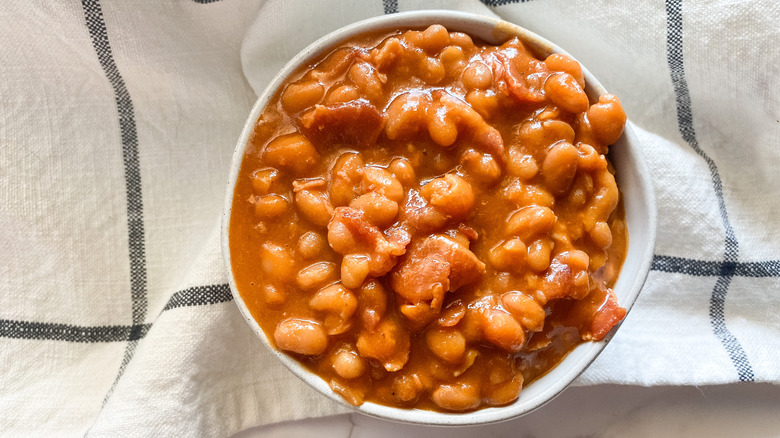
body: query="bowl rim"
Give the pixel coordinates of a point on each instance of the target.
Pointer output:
(577, 360)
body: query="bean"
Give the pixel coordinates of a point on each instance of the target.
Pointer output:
(538, 135)
(559, 167)
(601, 235)
(525, 310)
(366, 79)
(581, 190)
(315, 206)
(441, 126)
(373, 304)
(442, 162)
(312, 244)
(335, 299)
(562, 63)
(505, 392)
(301, 95)
(576, 259)
(341, 94)
(456, 397)
(335, 64)
(522, 165)
(432, 70)
(460, 112)
(338, 304)
(564, 91)
(483, 167)
(273, 296)
(406, 114)
(434, 38)
(270, 206)
(403, 170)
(377, 208)
(477, 76)
(538, 257)
(504, 331)
(454, 60)
(607, 119)
(387, 53)
(301, 336)
(530, 221)
(291, 152)
(407, 388)
(578, 279)
(354, 270)
(277, 262)
(346, 175)
(452, 314)
(508, 255)
(263, 179)
(485, 102)
(604, 201)
(382, 181)
(590, 159)
(448, 345)
(461, 39)
(451, 195)
(341, 238)
(528, 194)
(388, 343)
(266, 125)
(550, 112)
(316, 275)
(348, 364)
(353, 395)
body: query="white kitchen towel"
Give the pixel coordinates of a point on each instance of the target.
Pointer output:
(117, 124)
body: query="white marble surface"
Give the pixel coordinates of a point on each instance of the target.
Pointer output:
(737, 410)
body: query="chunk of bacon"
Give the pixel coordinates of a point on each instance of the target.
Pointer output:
(356, 123)
(433, 266)
(606, 316)
(350, 233)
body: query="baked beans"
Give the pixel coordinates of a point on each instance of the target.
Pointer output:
(427, 221)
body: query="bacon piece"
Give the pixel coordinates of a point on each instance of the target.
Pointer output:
(350, 233)
(356, 123)
(432, 267)
(608, 315)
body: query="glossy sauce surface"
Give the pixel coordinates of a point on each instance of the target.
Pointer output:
(427, 221)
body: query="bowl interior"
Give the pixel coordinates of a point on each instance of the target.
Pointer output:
(631, 173)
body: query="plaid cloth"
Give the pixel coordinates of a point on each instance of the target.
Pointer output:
(117, 123)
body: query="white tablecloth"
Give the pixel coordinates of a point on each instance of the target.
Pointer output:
(117, 123)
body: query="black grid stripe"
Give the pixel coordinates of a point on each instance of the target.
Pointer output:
(493, 3)
(194, 296)
(391, 6)
(699, 268)
(93, 15)
(135, 206)
(685, 122)
(199, 296)
(71, 333)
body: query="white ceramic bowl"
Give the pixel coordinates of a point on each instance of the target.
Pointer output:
(632, 176)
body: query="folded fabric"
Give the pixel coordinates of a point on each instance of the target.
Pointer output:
(118, 121)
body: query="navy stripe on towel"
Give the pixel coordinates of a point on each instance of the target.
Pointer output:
(685, 123)
(700, 268)
(93, 15)
(71, 333)
(391, 6)
(493, 3)
(194, 296)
